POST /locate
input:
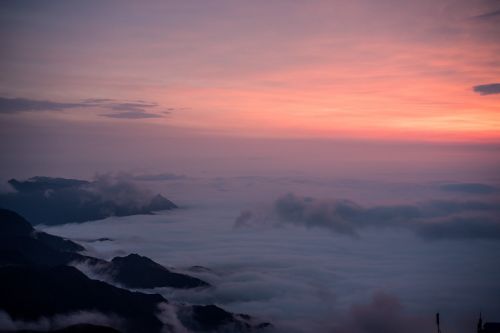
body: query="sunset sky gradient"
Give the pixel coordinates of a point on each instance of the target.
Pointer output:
(392, 70)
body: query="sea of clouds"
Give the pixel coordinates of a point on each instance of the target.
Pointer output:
(303, 275)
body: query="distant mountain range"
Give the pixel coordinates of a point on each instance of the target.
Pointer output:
(38, 280)
(47, 200)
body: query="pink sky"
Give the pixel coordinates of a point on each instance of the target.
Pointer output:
(363, 69)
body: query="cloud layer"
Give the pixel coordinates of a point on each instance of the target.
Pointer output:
(437, 219)
(312, 281)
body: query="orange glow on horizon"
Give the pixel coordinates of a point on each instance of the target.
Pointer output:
(407, 91)
(364, 69)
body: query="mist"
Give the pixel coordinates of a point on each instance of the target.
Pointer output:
(304, 279)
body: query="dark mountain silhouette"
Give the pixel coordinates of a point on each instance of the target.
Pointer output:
(159, 202)
(45, 183)
(57, 242)
(13, 224)
(135, 271)
(29, 292)
(20, 243)
(78, 328)
(212, 318)
(36, 281)
(58, 200)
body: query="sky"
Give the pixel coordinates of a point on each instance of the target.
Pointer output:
(391, 70)
(233, 88)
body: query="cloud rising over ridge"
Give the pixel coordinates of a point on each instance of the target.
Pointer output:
(436, 219)
(60, 200)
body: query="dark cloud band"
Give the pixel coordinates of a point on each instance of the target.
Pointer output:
(123, 109)
(15, 105)
(487, 89)
(132, 115)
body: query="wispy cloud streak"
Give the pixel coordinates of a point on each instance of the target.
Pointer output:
(125, 109)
